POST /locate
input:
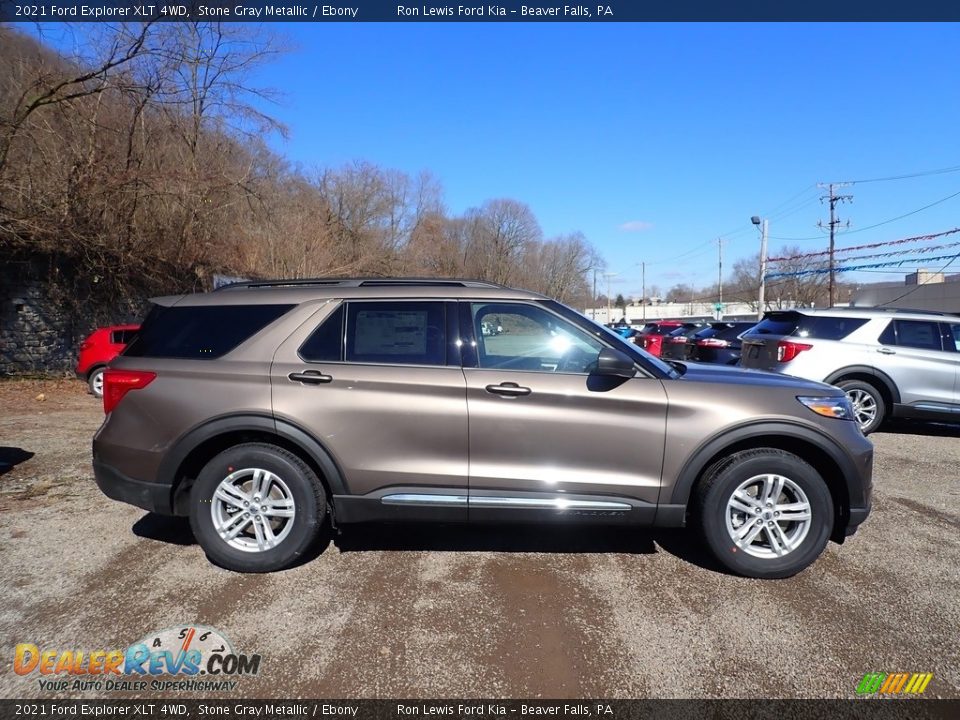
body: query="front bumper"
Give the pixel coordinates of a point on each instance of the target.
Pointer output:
(154, 497)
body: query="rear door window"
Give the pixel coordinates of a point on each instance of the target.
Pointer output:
(200, 332)
(920, 334)
(954, 334)
(396, 333)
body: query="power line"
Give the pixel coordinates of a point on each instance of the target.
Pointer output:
(879, 224)
(919, 285)
(925, 173)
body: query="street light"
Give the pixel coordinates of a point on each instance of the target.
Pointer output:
(764, 227)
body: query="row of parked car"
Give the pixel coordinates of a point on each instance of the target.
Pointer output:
(712, 342)
(890, 363)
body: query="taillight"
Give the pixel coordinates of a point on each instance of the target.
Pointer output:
(787, 350)
(117, 383)
(713, 342)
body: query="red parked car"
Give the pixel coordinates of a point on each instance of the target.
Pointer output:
(651, 336)
(102, 346)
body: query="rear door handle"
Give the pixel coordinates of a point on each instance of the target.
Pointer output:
(311, 377)
(510, 389)
(886, 351)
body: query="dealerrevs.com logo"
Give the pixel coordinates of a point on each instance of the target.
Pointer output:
(185, 657)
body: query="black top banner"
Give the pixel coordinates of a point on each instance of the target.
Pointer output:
(441, 11)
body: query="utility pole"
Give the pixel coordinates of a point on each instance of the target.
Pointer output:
(593, 300)
(764, 228)
(834, 221)
(720, 279)
(608, 276)
(643, 283)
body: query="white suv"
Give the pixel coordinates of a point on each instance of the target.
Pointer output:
(891, 363)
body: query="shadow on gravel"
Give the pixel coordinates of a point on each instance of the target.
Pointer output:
(527, 539)
(917, 427)
(681, 543)
(10, 457)
(173, 530)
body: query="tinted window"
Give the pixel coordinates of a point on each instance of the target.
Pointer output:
(730, 331)
(122, 337)
(918, 334)
(955, 334)
(781, 323)
(326, 342)
(532, 339)
(207, 331)
(827, 327)
(823, 327)
(405, 333)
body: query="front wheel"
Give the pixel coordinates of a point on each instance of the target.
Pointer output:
(764, 513)
(257, 508)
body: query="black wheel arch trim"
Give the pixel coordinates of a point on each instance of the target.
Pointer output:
(92, 369)
(698, 462)
(838, 375)
(254, 422)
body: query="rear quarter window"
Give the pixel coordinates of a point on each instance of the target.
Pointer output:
(821, 327)
(828, 327)
(200, 332)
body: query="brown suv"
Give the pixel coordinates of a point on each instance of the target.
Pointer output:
(266, 410)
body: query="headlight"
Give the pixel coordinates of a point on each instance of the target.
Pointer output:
(831, 407)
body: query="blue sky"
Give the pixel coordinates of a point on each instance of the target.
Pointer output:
(686, 130)
(683, 130)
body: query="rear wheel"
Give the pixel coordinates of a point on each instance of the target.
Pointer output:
(869, 407)
(764, 513)
(95, 382)
(257, 508)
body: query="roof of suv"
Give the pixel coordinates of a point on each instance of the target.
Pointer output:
(869, 312)
(298, 291)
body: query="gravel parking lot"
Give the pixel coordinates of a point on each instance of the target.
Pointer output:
(481, 612)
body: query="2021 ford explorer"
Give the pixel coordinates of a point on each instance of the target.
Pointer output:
(263, 411)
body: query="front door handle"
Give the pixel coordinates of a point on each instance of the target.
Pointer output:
(886, 351)
(311, 377)
(510, 389)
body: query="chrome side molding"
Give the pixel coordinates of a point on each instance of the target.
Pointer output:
(504, 502)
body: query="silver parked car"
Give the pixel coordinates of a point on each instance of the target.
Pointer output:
(890, 363)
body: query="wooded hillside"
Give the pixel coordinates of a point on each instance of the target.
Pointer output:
(141, 158)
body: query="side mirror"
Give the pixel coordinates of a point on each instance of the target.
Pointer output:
(615, 363)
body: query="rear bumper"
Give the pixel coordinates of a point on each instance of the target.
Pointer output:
(154, 497)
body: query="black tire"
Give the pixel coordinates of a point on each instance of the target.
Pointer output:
(858, 389)
(95, 382)
(304, 487)
(716, 489)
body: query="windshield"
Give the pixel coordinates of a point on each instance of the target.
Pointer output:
(618, 342)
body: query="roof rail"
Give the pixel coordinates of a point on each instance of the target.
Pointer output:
(877, 308)
(359, 282)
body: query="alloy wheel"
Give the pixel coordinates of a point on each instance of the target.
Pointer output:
(768, 516)
(253, 510)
